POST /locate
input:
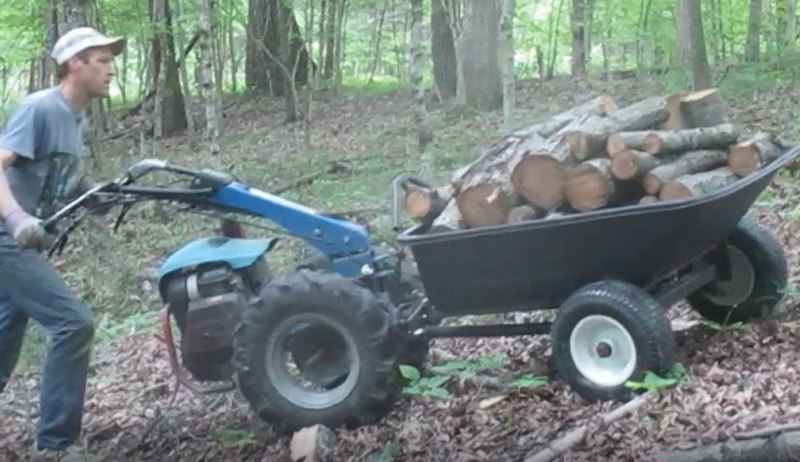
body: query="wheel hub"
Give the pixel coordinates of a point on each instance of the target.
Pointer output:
(738, 287)
(603, 350)
(325, 356)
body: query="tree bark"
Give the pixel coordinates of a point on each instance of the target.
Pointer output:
(443, 50)
(477, 56)
(690, 162)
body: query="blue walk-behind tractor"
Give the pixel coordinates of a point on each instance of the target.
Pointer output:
(351, 314)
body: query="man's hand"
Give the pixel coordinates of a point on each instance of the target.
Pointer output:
(27, 230)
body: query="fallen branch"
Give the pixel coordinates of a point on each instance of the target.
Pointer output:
(305, 180)
(783, 447)
(559, 447)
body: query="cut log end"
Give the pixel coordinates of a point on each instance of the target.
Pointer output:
(628, 164)
(752, 154)
(484, 205)
(589, 185)
(540, 181)
(704, 108)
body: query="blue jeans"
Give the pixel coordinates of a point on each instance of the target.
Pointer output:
(30, 289)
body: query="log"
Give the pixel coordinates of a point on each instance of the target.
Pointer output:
(590, 184)
(697, 183)
(523, 213)
(782, 447)
(690, 162)
(692, 139)
(601, 106)
(538, 177)
(423, 203)
(629, 164)
(675, 121)
(675, 141)
(590, 140)
(646, 141)
(449, 220)
(754, 153)
(485, 193)
(705, 108)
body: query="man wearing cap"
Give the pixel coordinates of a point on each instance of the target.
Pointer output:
(40, 148)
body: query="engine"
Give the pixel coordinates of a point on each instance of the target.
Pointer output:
(207, 304)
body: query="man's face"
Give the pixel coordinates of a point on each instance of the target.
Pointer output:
(94, 73)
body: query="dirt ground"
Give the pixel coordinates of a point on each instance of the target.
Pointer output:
(737, 380)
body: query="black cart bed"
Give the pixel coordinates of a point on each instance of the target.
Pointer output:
(538, 264)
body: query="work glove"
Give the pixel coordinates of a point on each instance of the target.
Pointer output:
(26, 229)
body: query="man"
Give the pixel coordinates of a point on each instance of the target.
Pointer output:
(40, 149)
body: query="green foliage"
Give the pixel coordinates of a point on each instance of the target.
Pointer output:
(441, 374)
(654, 381)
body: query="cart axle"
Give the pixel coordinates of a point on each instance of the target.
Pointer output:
(489, 330)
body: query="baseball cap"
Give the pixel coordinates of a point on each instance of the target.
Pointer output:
(81, 38)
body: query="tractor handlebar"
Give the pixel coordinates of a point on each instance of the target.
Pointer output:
(122, 191)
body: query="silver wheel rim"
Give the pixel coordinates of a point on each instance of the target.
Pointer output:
(304, 396)
(739, 287)
(603, 350)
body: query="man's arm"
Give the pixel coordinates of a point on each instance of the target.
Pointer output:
(8, 203)
(17, 139)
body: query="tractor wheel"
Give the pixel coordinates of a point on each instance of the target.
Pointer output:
(414, 352)
(360, 349)
(759, 274)
(608, 333)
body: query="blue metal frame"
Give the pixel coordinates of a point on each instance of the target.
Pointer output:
(345, 243)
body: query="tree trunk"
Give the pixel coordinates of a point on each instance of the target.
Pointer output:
(578, 23)
(443, 51)
(690, 20)
(171, 111)
(477, 56)
(753, 41)
(207, 86)
(506, 61)
(265, 39)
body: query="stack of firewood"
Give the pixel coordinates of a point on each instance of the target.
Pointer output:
(596, 156)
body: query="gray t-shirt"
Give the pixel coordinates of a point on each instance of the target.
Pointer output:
(47, 135)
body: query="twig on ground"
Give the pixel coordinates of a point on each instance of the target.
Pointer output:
(769, 431)
(555, 449)
(784, 447)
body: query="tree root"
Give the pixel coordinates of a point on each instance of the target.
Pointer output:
(775, 444)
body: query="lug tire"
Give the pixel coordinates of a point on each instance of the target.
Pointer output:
(765, 261)
(630, 319)
(414, 352)
(369, 325)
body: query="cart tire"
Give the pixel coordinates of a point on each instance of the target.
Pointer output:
(632, 321)
(414, 351)
(362, 397)
(760, 275)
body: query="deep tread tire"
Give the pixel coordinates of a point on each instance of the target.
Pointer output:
(771, 273)
(370, 324)
(642, 317)
(414, 352)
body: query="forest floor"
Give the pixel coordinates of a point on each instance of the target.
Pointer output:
(736, 380)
